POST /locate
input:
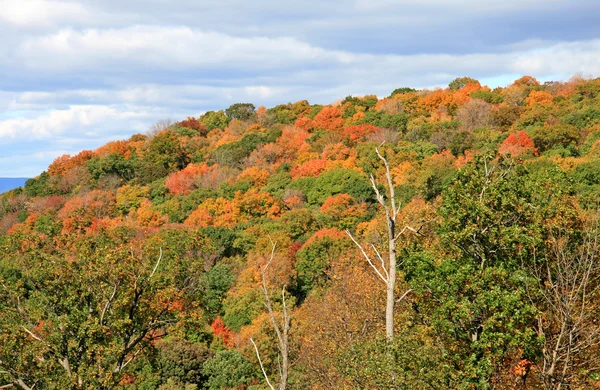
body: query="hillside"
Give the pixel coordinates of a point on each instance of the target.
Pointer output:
(173, 259)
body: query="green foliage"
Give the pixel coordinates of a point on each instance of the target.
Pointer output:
(228, 369)
(217, 282)
(164, 155)
(277, 183)
(38, 186)
(234, 153)
(181, 361)
(414, 359)
(313, 260)
(583, 119)
(402, 90)
(337, 181)
(386, 121)
(240, 111)
(549, 137)
(299, 223)
(586, 177)
(112, 164)
(487, 96)
(491, 226)
(460, 82)
(214, 120)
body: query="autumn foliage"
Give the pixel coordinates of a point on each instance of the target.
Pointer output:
(146, 263)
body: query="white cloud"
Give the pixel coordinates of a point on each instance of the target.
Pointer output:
(164, 47)
(58, 123)
(40, 13)
(182, 48)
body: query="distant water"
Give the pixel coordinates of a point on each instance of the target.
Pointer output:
(9, 183)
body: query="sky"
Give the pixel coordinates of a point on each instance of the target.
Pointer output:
(77, 74)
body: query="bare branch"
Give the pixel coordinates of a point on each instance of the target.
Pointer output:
(366, 256)
(404, 295)
(112, 296)
(388, 176)
(156, 265)
(262, 367)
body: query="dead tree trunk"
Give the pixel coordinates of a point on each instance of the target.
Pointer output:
(281, 330)
(386, 272)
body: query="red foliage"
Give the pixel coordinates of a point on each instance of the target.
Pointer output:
(517, 144)
(355, 133)
(194, 124)
(332, 233)
(221, 330)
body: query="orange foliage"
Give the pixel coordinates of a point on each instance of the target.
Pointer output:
(436, 99)
(343, 205)
(309, 168)
(541, 97)
(146, 216)
(526, 81)
(400, 172)
(257, 204)
(113, 147)
(201, 217)
(82, 212)
(338, 151)
(304, 123)
(329, 118)
(65, 162)
(185, 181)
(255, 175)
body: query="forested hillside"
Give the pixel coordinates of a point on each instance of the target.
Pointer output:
(431, 239)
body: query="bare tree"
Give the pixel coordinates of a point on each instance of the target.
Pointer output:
(474, 114)
(282, 329)
(160, 125)
(570, 275)
(386, 272)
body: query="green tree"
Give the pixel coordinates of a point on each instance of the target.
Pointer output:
(228, 369)
(475, 289)
(460, 82)
(240, 111)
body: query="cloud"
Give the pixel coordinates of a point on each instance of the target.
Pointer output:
(41, 13)
(77, 73)
(61, 123)
(162, 47)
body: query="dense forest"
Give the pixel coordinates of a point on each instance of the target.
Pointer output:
(431, 239)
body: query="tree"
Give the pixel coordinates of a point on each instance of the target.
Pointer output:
(402, 90)
(475, 288)
(240, 111)
(386, 272)
(282, 329)
(569, 277)
(461, 82)
(474, 114)
(159, 126)
(518, 144)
